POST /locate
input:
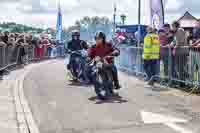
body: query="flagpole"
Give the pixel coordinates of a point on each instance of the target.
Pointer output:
(59, 23)
(114, 18)
(139, 12)
(139, 21)
(163, 11)
(59, 3)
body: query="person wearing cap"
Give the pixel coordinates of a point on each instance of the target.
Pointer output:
(151, 54)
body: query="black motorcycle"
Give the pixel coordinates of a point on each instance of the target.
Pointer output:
(77, 66)
(102, 79)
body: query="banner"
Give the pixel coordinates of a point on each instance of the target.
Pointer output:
(157, 13)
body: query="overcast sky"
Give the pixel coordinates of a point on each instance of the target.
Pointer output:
(43, 13)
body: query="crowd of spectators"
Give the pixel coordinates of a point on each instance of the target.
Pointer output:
(180, 52)
(18, 46)
(179, 60)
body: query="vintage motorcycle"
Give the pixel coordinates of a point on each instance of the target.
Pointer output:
(77, 65)
(102, 78)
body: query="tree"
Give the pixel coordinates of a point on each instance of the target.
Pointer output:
(88, 26)
(123, 18)
(13, 27)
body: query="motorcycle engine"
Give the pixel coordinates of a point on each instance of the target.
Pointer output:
(99, 65)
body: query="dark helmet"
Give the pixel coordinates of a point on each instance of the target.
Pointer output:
(100, 35)
(75, 33)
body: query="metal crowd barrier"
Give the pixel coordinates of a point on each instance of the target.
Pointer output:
(176, 65)
(194, 64)
(2, 56)
(8, 56)
(130, 60)
(14, 55)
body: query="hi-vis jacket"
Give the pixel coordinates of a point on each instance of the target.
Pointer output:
(151, 48)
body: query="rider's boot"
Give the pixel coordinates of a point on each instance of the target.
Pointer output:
(117, 85)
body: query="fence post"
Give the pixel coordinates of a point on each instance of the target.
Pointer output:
(2, 56)
(170, 69)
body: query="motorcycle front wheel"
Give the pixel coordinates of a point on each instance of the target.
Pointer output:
(101, 87)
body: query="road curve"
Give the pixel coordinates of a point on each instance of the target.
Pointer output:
(60, 107)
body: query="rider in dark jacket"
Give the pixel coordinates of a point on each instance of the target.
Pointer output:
(74, 45)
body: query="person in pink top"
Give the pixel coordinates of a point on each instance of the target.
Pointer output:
(40, 48)
(45, 44)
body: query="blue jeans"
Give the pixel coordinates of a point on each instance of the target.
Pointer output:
(73, 66)
(150, 67)
(49, 49)
(60, 50)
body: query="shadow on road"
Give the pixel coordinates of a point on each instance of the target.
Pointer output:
(114, 99)
(159, 88)
(78, 84)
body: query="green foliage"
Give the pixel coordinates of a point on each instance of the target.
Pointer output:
(88, 26)
(13, 27)
(123, 18)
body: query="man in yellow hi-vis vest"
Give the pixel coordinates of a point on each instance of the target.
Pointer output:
(151, 55)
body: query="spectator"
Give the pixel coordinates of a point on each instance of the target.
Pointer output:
(180, 51)
(195, 61)
(45, 44)
(5, 37)
(164, 51)
(54, 50)
(16, 36)
(151, 54)
(2, 44)
(196, 32)
(189, 37)
(20, 49)
(49, 48)
(195, 54)
(166, 36)
(11, 40)
(1, 39)
(171, 36)
(169, 33)
(40, 48)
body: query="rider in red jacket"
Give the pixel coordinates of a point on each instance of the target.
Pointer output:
(103, 49)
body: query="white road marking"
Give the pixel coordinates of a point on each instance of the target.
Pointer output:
(52, 104)
(150, 118)
(30, 121)
(177, 128)
(8, 124)
(153, 118)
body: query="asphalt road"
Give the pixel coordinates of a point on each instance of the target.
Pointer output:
(60, 107)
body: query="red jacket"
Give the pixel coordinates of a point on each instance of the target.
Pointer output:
(103, 51)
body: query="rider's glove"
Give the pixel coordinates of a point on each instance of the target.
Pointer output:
(88, 59)
(115, 53)
(97, 59)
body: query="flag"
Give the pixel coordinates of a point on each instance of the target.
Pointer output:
(157, 13)
(59, 25)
